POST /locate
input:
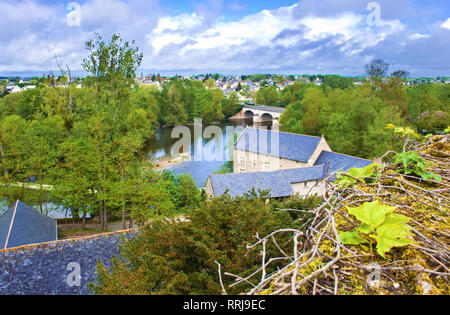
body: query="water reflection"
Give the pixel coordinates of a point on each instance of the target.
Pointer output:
(52, 209)
(162, 144)
(158, 147)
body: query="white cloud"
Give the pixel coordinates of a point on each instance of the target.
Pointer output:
(282, 28)
(305, 37)
(446, 24)
(418, 36)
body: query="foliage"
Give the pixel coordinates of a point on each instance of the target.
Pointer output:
(392, 223)
(226, 168)
(404, 132)
(380, 223)
(413, 164)
(354, 175)
(377, 68)
(173, 257)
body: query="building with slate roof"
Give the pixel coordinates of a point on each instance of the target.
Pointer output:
(22, 225)
(284, 163)
(259, 150)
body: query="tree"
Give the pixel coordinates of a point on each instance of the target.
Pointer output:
(173, 257)
(377, 68)
(116, 130)
(231, 105)
(400, 74)
(113, 63)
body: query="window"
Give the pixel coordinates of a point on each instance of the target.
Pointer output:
(306, 184)
(241, 170)
(267, 165)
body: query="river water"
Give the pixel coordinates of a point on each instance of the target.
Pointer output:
(207, 146)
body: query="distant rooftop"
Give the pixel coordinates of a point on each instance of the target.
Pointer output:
(285, 145)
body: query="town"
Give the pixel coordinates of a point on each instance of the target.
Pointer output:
(214, 153)
(246, 86)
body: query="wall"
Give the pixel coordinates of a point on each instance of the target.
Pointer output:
(209, 188)
(255, 162)
(312, 187)
(322, 146)
(43, 268)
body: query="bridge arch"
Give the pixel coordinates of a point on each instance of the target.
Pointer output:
(248, 113)
(266, 117)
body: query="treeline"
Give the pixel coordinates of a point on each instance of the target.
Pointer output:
(353, 117)
(88, 143)
(180, 102)
(173, 257)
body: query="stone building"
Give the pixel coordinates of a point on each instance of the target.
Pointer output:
(284, 163)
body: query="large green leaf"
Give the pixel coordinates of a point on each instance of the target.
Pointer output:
(394, 218)
(413, 163)
(391, 235)
(371, 213)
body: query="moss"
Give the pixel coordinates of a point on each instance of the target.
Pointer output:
(426, 217)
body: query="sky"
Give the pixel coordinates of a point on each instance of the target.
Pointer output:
(231, 36)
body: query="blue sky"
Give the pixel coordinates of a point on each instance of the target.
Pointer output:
(233, 36)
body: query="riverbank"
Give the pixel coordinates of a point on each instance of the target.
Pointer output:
(169, 161)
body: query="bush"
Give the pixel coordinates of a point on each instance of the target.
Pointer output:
(172, 257)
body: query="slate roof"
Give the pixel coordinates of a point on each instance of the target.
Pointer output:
(22, 225)
(199, 170)
(337, 162)
(285, 145)
(279, 182)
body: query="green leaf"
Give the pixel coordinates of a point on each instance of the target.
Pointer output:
(371, 213)
(351, 238)
(357, 173)
(413, 163)
(394, 218)
(366, 229)
(391, 235)
(364, 171)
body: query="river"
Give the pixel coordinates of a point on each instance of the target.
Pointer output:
(202, 147)
(163, 145)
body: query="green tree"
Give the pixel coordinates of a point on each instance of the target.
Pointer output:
(377, 68)
(172, 257)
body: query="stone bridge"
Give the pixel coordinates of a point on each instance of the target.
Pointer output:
(262, 113)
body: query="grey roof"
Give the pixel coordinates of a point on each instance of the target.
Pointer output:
(279, 182)
(337, 162)
(268, 108)
(285, 145)
(199, 170)
(22, 225)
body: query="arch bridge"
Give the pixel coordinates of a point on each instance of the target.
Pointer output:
(262, 113)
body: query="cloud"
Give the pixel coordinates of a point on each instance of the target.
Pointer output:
(446, 24)
(309, 36)
(264, 40)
